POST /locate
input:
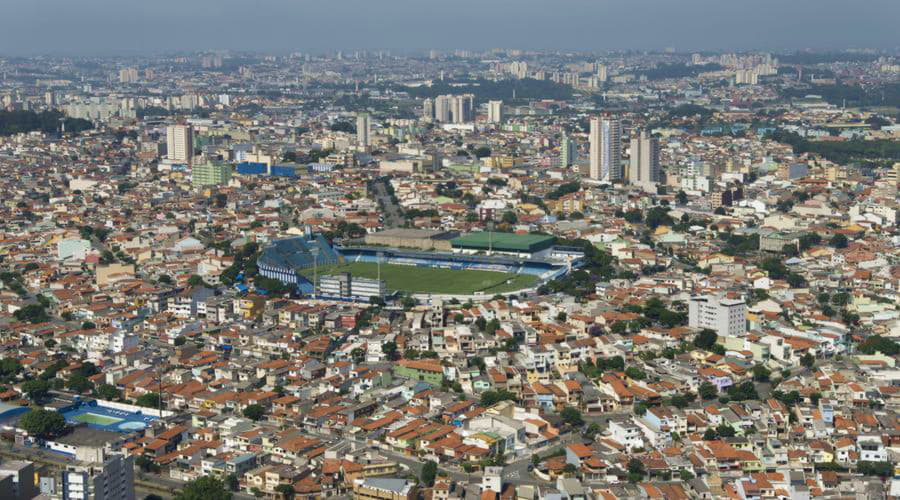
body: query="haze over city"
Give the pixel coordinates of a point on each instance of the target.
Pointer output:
(89, 27)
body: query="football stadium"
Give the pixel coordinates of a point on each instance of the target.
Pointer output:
(420, 261)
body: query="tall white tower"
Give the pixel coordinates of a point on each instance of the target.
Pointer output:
(180, 143)
(362, 129)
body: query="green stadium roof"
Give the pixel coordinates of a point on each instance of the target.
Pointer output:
(504, 242)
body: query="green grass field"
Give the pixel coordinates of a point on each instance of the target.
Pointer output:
(433, 279)
(93, 418)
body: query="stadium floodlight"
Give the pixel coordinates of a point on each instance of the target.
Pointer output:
(315, 253)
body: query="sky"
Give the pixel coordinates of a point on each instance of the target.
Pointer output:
(107, 27)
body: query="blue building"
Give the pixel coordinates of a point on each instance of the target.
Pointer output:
(284, 259)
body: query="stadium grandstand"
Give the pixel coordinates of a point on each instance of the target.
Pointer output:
(284, 259)
(519, 245)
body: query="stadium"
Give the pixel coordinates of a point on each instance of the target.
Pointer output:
(424, 262)
(477, 264)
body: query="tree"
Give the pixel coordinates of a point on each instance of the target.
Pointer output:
(877, 343)
(148, 400)
(232, 482)
(146, 464)
(153, 497)
(636, 470)
(109, 392)
(570, 469)
(483, 152)
(705, 339)
(286, 491)
(743, 391)
(838, 241)
(725, 430)
(880, 469)
(36, 389)
(808, 360)
(681, 198)
(571, 416)
(490, 398)
(9, 367)
(679, 401)
(390, 350)
(79, 384)
(180, 340)
(254, 412)
(43, 423)
(635, 373)
(761, 373)
(32, 313)
(88, 325)
(204, 488)
(429, 472)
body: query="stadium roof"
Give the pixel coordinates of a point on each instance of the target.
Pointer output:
(296, 253)
(504, 242)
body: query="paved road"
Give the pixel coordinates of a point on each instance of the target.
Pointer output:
(389, 210)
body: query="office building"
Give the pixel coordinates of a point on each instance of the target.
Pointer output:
(602, 73)
(362, 129)
(210, 174)
(568, 151)
(17, 480)
(726, 317)
(644, 168)
(606, 149)
(495, 111)
(180, 143)
(111, 480)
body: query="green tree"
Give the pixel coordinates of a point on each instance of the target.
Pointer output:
(9, 367)
(705, 339)
(204, 488)
(232, 482)
(490, 398)
(148, 400)
(79, 384)
(390, 350)
(429, 472)
(43, 423)
(761, 373)
(254, 412)
(36, 389)
(636, 470)
(838, 241)
(571, 416)
(109, 392)
(286, 490)
(32, 313)
(808, 360)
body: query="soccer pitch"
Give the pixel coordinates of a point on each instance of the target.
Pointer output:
(436, 280)
(93, 418)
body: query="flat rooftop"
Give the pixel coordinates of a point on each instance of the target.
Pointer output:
(86, 436)
(485, 240)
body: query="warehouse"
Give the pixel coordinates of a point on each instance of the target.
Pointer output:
(519, 245)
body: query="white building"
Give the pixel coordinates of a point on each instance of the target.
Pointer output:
(727, 317)
(626, 433)
(495, 111)
(363, 129)
(606, 149)
(111, 480)
(644, 167)
(180, 143)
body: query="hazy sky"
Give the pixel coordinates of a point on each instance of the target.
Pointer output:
(121, 26)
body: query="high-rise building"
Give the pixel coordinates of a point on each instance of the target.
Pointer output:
(362, 129)
(495, 111)
(428, 109)
(727, 317)
(453, 108)
(606, 149)
(17, 480)
(128, 75)
(111, 480)
(568, 151)
(180, 143)
(644, 167)
(602, 72)
(210, 174)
